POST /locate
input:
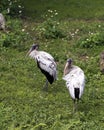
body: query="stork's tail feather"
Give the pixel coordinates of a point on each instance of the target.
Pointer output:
(77, 92)
(49, 77)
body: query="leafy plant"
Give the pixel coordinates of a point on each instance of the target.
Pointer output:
(50, 27)
(11, 7)
(94, 39)
(15, 35)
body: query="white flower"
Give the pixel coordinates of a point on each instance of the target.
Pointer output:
(72, 34)
(49, 10)
(8, 10)
(20, 11)
(56, 13)
(99, 26)
(92, 33)
(10, 3)
(23, 30)
(42, 29)
(46, 46)
(77, 30)
(19, 6)
(87, 57)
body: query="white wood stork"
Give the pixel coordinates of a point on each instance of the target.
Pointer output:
(45, 62)
(75, 81)
(2, 22)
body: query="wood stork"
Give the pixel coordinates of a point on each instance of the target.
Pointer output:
(45, 63)
(2, 22)
(75, 81)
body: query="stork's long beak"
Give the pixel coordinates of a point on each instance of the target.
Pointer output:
(28, 52)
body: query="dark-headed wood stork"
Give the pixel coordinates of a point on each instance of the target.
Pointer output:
(45, 62)
(75, 81)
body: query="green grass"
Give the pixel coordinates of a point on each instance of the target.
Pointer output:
(76, 9)
(23, 103)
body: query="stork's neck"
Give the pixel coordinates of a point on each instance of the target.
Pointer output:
(33, 54)
(68, 68)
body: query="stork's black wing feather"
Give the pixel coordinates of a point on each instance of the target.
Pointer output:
(49, 77)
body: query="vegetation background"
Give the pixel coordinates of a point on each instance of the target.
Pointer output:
(64, 29)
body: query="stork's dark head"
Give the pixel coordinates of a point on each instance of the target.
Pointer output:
(70, 61)
(33, 47)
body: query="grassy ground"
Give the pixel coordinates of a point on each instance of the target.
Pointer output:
(23, 103)
(67, 9)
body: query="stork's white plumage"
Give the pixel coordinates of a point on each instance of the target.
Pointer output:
(75, 80)
(45, 62)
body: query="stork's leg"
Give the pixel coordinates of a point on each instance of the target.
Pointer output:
(45, 87)
(74, 106)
